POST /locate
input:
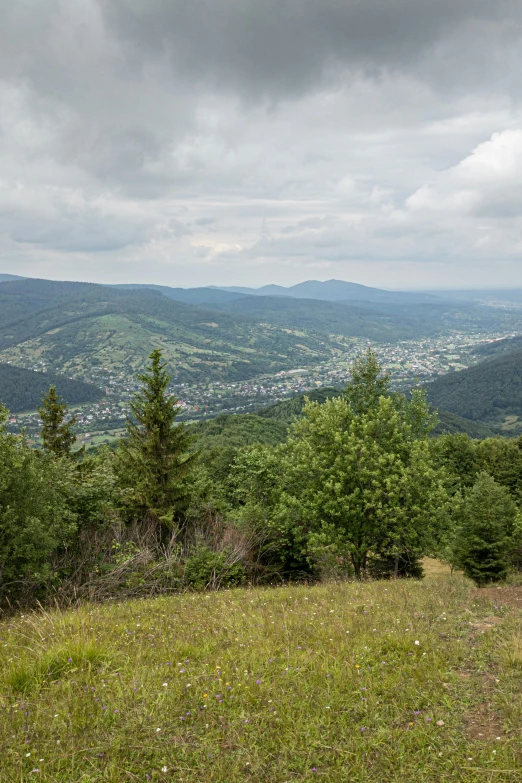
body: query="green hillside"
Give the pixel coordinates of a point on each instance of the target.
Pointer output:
(287, 410)
(489, 392)
(311, 315)
(21, 390)
(234, 430)
(72, 327)
(498, 347)
(450, 423)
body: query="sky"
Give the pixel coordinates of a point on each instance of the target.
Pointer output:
(239, 142)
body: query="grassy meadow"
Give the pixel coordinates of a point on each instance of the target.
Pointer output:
(367, 683)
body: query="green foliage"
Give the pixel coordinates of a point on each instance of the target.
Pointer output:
(482, 544)
(57, 435)
(464, 459)
(256, 481)
(21, 390)
(92, 489)
(218, 440)
(154, 458)
(35, 520)
(368, 384)
(502, 459)
(457, 455)
(364, 484)
(287, 410)
(206, 569)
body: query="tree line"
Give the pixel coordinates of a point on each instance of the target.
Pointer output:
(359, 490)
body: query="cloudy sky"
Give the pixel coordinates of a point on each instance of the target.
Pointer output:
(255, 141)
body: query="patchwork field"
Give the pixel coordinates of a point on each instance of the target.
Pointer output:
(368, 683)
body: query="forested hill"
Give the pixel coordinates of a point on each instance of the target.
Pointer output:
(317, 316)
(498, 347)
(489, 392)
(72, 327)
(218, 439)
(287, 410)
(21, 390)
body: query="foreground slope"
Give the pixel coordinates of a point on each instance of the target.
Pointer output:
(390, 681)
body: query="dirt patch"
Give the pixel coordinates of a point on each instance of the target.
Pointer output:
(483, 723)
(501, 596)
(485, 624)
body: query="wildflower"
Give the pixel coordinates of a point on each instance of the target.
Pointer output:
(165, 685)
(258, 682)
(417, 643)
(164, 769)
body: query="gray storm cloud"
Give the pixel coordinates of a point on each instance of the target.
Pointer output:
(245, 141)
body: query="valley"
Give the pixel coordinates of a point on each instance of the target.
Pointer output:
(233, 351)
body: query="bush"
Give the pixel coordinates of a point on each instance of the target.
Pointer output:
(206, 569)
(35, 520)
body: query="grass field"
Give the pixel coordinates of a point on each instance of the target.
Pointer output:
(367, 683)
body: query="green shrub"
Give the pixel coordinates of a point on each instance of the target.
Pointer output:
(208, 569)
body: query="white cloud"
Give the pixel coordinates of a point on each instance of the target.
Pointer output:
(147, 142)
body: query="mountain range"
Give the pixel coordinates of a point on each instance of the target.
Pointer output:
(72, 327)
(337, 291)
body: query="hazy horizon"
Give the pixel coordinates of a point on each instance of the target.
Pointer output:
(314, 280)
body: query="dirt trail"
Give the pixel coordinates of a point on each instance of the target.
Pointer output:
(501, 596)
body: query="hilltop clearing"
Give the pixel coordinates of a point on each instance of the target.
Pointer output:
(388, 681)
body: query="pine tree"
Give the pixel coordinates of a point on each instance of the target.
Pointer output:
(154, 458)
(368, 383)
(483, 542)
(56, 433)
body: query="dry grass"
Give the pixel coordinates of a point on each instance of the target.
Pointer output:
(368, 683)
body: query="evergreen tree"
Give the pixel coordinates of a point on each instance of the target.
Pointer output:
(154, 458)
(368, 383)
(35, 520)
(482, 544)
(57, 436)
